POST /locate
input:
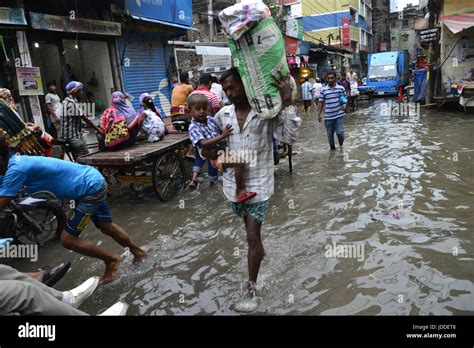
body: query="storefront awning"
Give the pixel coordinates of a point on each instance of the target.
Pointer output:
(163, 22)
(458, 22)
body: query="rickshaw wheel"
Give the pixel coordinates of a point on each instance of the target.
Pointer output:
(169, 176)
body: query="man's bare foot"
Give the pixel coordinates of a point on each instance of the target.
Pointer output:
(111, 270)
(139, 255)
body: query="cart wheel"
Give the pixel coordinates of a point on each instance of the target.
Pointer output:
(169, 176)
(290, 157)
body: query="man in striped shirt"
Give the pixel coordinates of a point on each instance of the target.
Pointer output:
(333, 109)
(72, 115)
(204, 87)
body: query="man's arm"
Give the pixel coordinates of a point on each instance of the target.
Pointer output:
(321, 107)
(91, 124)
(51, 112)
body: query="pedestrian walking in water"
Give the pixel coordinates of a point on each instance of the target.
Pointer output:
(332, 101)
(253, 135)
(306, 94)
(68, 181)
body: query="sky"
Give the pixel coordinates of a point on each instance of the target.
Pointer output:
(396, 5)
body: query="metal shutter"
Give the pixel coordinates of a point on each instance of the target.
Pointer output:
(147, 70)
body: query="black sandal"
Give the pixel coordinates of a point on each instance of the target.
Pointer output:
(51, 279)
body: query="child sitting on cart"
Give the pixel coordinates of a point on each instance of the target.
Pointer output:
(153, 125)
(208, 140)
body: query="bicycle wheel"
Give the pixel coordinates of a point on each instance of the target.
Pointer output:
(169, 176)
(51, 219)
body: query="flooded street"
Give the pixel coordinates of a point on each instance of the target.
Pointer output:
(420, 263)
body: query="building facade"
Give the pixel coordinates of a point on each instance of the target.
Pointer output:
(403, 35)
(120, 45)
(456, 42)
(324, 24)
(381, 25)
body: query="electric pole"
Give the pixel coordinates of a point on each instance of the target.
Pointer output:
(210, 19)
(429, 90)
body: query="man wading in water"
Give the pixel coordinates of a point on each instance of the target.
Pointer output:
(254, 135)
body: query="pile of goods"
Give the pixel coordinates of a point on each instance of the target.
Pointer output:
(18, 135)
(258, 53)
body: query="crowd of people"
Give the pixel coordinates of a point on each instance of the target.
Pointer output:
(219, 120)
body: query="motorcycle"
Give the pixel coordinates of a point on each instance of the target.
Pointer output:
(30, 220)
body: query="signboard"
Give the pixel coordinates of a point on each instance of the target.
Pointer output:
(294, 28)
(15, 16)
(29, 81)
(305, 46)
(346, 38)
(213, 51)
(429, 35)
(79, 25)
(292, 46)
(174, 11)
(216, 63)
(421, 23)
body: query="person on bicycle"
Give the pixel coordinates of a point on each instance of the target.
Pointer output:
(72, 115)
(68, 181)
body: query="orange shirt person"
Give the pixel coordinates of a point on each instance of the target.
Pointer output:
(179, 97)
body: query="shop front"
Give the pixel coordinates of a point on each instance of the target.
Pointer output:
(145, 57)
(76, 50)
(12, 21)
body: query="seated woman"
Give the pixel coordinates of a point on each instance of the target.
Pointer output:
(121, 109)
(153, 124)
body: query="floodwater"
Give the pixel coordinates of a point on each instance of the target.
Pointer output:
(401, 194)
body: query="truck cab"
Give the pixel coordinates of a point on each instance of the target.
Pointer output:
(387, 71)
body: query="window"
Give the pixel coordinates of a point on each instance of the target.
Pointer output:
(393, 25)
(362, 8)
(363, 37)
(405, 23)
(353, 15)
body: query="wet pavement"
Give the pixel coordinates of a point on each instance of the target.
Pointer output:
(401, 191)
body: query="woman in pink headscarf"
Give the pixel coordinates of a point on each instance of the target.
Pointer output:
(132, 118)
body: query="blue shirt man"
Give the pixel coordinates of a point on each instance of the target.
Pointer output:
(334, 110)
(67, 180)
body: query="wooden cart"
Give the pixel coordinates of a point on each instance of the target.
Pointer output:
(158, 164)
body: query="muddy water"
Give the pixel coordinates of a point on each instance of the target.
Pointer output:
(419, 263)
